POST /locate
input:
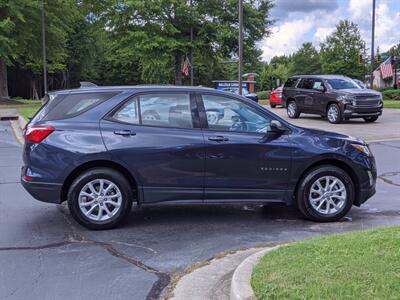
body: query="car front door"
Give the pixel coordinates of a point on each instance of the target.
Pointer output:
(243, 160)
(158, 137)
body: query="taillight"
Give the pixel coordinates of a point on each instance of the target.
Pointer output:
(36, 134)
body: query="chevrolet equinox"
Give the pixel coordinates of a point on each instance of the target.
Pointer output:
(103, 148)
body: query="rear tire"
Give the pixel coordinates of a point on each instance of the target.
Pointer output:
(325, 194)
(100, 198)
(334, 114)
(292, 110)
(370, 119)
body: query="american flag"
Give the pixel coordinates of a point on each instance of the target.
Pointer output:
(185, 66)
(386, 68)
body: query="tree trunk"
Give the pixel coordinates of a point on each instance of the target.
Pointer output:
(3, 80)
(178, 70)
(34, 89)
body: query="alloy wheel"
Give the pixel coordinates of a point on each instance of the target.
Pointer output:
(333, 113)
(291, 109)
(100, 200)
(328, 195)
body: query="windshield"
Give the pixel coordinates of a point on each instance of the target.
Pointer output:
(341, 84)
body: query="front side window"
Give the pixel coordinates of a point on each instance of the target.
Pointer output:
(341, 84)
(227, 114)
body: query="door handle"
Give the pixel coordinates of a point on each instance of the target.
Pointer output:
(125, 132)
(218, 138)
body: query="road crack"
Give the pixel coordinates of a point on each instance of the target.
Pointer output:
(75, 237)
(387, 180)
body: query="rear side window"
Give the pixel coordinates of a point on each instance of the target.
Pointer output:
(74, 104)
(162, 110)
(306, 83)
(291, 82)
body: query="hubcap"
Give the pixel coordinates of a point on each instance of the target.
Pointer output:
(333, 113)
(100, 200)
(150, 118)
(291, 109)
(328, 195)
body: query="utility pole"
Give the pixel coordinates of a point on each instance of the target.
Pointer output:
(191, 48)
(44, 49)
(240, 46)
(372, 45)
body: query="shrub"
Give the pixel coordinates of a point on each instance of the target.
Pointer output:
(263, 94)
(391, 94)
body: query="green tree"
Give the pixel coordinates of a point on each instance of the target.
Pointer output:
(21, 32)
(272, 73)
(339, 53)
(306, 60)
(155, 34)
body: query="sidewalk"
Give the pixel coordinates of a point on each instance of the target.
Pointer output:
(224, 278)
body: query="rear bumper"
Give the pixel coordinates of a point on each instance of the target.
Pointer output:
(350, 111)
(46, 192)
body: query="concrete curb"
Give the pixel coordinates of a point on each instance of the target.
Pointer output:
(240, 283)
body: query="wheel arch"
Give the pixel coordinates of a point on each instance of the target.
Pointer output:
(98, 164)
(333, 162)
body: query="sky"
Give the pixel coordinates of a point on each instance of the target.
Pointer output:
(300, 21)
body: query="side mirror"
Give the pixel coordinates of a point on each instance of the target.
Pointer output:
(276, 126)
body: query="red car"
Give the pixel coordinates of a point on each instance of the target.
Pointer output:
(276, 97)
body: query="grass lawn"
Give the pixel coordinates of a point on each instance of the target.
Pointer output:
(26, 108)
(391, 104)
(360, 265)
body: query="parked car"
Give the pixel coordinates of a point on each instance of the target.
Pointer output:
(333, 96)
(245, 93)
(94, 148)
(276, 97)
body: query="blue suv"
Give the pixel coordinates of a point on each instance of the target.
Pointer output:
(103, 148)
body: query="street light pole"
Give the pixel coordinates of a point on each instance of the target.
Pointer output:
(240, 46)
(44, 50)
(372, 45)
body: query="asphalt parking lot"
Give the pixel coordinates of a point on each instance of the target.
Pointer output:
(44, 254)
(385, 128)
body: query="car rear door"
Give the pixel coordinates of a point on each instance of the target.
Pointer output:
(242, 161)
(305, 95)
(158, 138)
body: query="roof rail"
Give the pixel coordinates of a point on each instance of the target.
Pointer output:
(85, 84)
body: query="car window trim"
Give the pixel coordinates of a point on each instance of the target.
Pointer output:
(109, 116)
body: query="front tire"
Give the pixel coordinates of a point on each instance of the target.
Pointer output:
(370, 119)
(334, 114)
(292, 110)
(100, 198)
(325, 194)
